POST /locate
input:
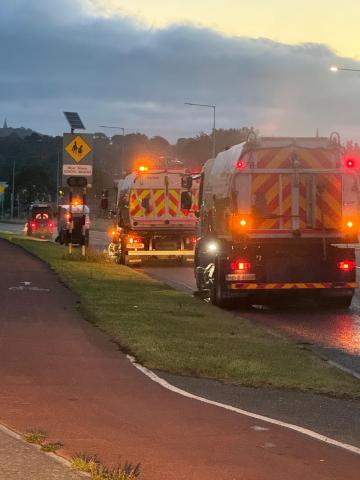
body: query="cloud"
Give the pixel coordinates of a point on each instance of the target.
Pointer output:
(59, 55)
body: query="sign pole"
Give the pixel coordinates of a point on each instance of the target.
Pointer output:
(83, 246)
(70, 221)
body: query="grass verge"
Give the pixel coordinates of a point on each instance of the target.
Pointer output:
(171, 331)
(90, 464)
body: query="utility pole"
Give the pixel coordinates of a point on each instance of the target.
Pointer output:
(214, 123)
(57, 175)
(13, 192)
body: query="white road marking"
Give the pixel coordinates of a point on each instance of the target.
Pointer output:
(257, 428)
(28, 286)
(296, 428)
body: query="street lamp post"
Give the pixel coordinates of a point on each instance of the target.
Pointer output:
(214, 122)
(122, 143)
(13, 191)
(335, 69)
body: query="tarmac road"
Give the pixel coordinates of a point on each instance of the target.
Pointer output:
(335, 334)
(60, 374)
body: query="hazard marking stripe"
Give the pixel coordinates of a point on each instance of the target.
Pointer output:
(159, 198)
(277, 158)
(291, 286)
(281, 158)
(173, 196)
(269, 186)
(136, 208)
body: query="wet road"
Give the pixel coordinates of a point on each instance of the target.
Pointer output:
(333, 333)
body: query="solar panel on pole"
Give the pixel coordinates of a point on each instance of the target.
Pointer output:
(74, 121)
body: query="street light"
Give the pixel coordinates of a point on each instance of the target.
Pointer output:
(214, 124)
(123, 142)
(335, 69)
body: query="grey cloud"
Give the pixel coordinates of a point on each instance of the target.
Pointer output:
(55, 56)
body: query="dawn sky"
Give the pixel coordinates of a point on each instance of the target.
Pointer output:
(133, 63)
(290, 21)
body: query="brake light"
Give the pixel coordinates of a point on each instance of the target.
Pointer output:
(50, 225)
(240, 265)
(350, 163)
(346, 265)
(133, 240)
(240, 164)
(33, 225)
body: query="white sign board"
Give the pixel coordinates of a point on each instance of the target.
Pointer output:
(77, 170)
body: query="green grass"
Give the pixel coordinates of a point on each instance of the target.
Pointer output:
(90, 464)
(35, 436)
(171, 331)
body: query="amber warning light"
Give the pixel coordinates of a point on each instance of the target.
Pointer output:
(143, 168)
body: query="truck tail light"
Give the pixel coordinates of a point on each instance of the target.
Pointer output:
(350, 163)
(50, 224)
(240, 165)
(241, 265)
(346, 265)
(134, 240)
(33, 225)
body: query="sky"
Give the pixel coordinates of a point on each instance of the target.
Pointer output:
(133, 64)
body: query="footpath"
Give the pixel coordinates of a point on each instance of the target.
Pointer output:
(20, 461)
(61, 375)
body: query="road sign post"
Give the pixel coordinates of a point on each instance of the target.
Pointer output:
(78, 156)
(77, 173)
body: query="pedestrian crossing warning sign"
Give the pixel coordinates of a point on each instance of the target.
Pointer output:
(77, 148)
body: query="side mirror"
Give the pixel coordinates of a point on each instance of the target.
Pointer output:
(186, 182)
(186, 200)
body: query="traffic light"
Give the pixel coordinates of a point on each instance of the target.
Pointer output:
(77, 182)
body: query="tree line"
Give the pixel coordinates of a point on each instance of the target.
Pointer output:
(36, 159)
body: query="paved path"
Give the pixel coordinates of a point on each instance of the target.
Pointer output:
(60, 374)
(21, 461)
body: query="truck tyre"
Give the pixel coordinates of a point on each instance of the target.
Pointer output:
(216, 293)
(343, 302)
(199, 280)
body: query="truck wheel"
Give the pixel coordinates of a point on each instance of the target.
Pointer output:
(338, 302)
(216, 293)
(199, 281)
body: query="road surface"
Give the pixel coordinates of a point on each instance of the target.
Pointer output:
(333, 333)
(60, 374)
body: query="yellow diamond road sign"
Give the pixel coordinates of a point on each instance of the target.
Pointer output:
(77, 148)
